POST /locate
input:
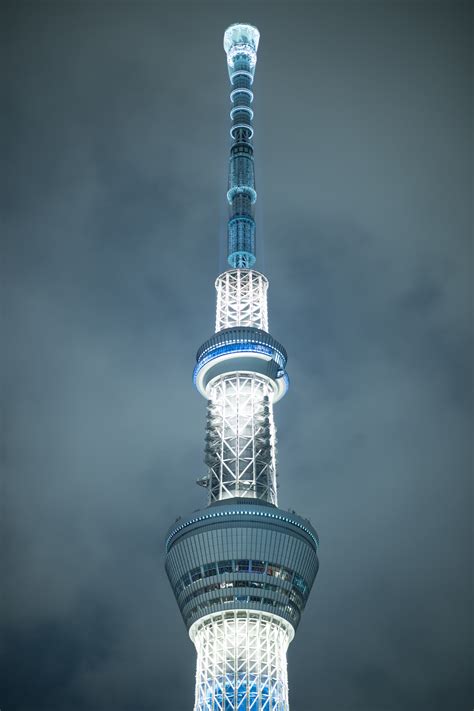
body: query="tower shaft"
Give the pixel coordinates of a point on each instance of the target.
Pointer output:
(241, 299)
(240, 439)
(241, 569)
(240, 436)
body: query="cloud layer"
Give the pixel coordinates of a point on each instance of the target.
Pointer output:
(116, 137)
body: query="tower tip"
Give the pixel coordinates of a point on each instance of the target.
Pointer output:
(241, 33)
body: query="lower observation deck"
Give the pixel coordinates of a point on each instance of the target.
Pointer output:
(242, 554)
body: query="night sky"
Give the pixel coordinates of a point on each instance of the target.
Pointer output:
(115, 143)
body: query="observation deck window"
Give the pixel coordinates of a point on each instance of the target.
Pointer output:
(225, 566)
(210, 570)
(196, 574)
(299, 587)
(300, 584)
(243, 565)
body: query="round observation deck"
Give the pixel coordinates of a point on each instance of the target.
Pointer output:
(242, 554)
(242, 350)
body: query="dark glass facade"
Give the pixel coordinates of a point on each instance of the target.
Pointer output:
(242, 554)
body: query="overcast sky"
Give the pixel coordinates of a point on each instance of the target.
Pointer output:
(115, 131)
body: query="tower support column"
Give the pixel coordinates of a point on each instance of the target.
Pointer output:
(241, 661)
(240, 438)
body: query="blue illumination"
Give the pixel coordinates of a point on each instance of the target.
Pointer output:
(239, 691)
(241, 260)
(242, 340)
(241, 225)
(235, 348)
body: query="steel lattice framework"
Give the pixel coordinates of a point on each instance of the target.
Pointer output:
(241, 299)
(241, 662)
(240, 439)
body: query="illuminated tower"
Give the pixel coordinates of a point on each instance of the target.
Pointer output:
(241, 568)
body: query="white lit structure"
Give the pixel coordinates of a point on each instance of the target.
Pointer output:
(240, 439)
(241, 299)
(241, 661)
(242, 568)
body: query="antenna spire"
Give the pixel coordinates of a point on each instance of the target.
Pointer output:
(241, 44)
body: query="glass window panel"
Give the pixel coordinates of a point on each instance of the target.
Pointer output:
(225, 566)
(300, 584)
(209, 570)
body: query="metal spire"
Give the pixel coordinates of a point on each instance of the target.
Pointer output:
(241, 44)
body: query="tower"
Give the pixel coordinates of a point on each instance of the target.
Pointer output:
(241, 568)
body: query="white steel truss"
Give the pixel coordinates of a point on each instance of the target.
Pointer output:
(240, 438)
(241, 299)
(241, 661)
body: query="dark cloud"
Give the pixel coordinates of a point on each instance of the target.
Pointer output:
(116, 135)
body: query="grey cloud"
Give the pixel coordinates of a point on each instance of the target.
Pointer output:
(116, 140)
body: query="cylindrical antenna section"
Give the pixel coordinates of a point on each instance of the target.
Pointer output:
(241, 44)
